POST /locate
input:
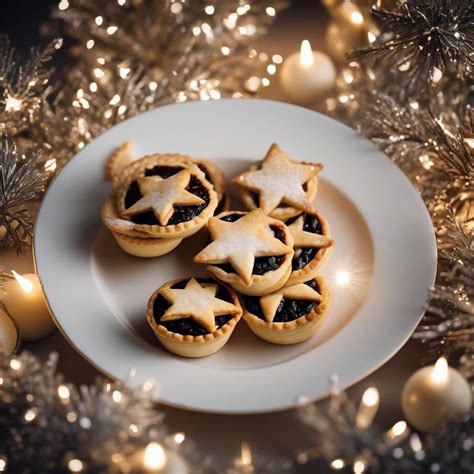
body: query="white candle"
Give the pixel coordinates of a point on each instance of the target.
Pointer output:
(307, 75)
(433, 394)
(25, 302)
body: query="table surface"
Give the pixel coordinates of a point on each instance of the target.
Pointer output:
(221, 435)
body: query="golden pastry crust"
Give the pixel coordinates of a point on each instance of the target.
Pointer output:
(118, 160)
(281, 184)
(314, 266)
(183, 229)
(148, 248)
(187, 345)
(217, 179)
(121, 159)
(254, 284)
(281, 212)
(298, 330)
(148, 161)
(116, 224)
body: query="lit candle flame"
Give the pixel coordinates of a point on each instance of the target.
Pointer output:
(440, 371)
(154, 457)
(25, 284)
(306, 54)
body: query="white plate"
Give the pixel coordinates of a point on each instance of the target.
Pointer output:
(383, 233)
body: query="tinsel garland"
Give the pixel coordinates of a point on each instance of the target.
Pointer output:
(350, 442)
(134, 55)
(427, 127)
(129, 56)
(421, 40)
(51, 426)
(20, 183)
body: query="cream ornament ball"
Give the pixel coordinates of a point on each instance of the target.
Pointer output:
(349, 16)
(340, 40)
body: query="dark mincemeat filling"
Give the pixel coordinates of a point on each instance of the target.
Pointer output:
(303, 256)
(289, 310)
(262, 264)
(187, 326)
(181, 213)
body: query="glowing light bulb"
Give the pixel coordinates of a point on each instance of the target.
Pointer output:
(371, 397)
(25, 284)
(12, 103)
(368, 408)
(357, 18)
(75, 465)
(398, 428)
(440, 371)
(15, 364)
(154, 457)
(306, 53)
(359, 467)
(436, 75)
(63, 392)
(337, 464)
(116, 396)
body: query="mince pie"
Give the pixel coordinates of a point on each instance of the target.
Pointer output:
(121, 159)
(193, 317)
(289, 315)
(138, 244)
(165, 201)
(312, 245)
(250, 251)
(157, 204)
(279, 185)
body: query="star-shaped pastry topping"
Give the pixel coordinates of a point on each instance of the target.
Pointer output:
(239, 242)
(271, 302)
(198, 303)
(161, 195)
(279, 180)
(303, 238)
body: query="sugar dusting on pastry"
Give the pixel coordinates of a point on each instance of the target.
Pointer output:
(279, 180)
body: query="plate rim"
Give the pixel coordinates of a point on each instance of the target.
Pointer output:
(231, 411)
